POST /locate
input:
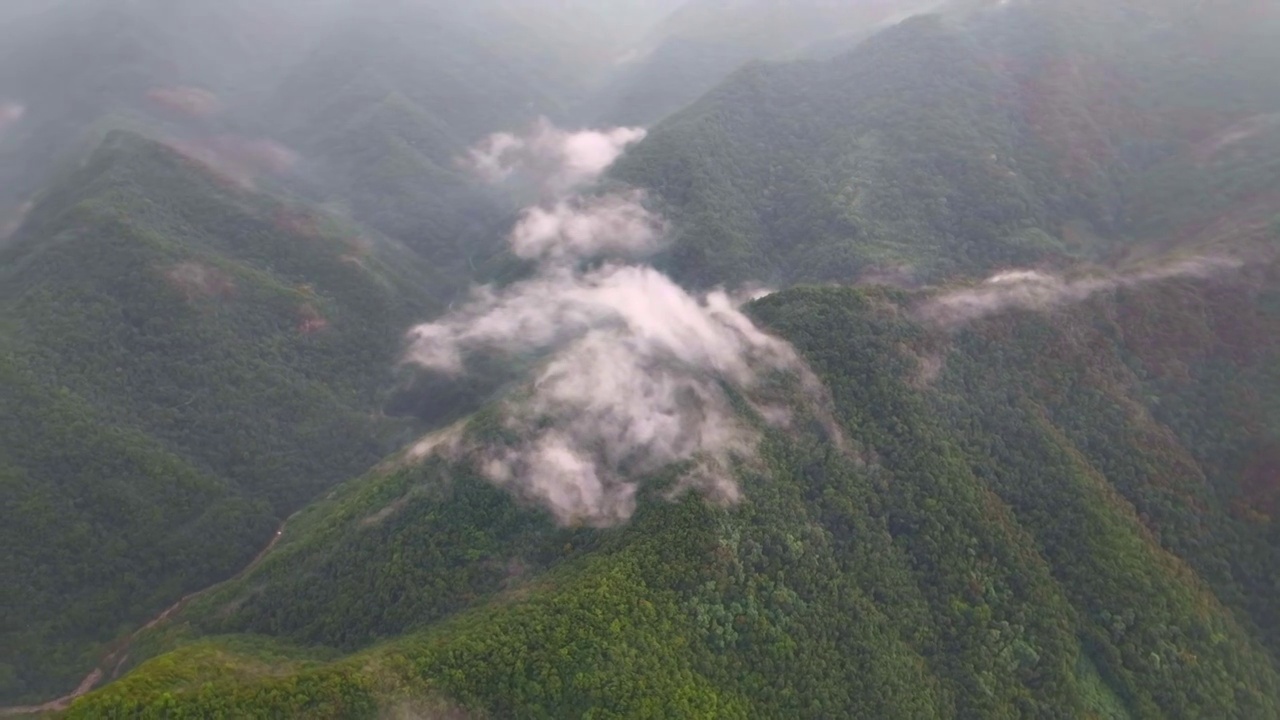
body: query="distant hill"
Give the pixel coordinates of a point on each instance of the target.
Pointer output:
(702, 42)
(942, 146)
(1027, 252)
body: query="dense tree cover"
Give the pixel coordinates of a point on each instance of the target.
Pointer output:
(1053, 516)
(954, 144)
(377, 99)
(1164, 642)
(101, 523)
(1097, 390)
(184, 364)
(395, 168)
(237, 345)
(1017, 536)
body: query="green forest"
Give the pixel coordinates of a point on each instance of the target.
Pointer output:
(1025, 463)
(1019, 536)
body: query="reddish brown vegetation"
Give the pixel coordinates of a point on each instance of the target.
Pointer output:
(1206, 149)
(16, 218)
(299, 223)
(310, 321)
(1260, 485)
(190, 101)
(1052, 113)
(1246, 220)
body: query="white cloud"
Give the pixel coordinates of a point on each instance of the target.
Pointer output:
(635, 368)
(633, 384)
(1035, 290)
(615, 225)
(556, 160)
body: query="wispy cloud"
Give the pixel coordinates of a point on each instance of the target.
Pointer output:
(616, 225)
(239, 160)
(556, 160)
(1035, 290)
(633, 384)
(635, 369)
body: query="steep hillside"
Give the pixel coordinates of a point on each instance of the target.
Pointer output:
(185, 364)
(703, 41)
(1051, 513)
(393, 166)
(942, 146)
(389, 101)
(1005, 444)
(362, 105)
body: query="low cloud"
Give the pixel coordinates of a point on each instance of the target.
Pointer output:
(635, 382)
(555, 160)
(645, 309)
(1035, 290)
(616, 225)
(239, 160)
(636, 373)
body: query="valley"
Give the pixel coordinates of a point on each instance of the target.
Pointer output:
(686, 359)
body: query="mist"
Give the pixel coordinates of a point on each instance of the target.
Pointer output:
(1035, 290)
(554, 161)
(239, 161)
(635, 368)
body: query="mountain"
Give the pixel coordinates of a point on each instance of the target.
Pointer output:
(369, 104)
(215, 317)
(942, 146)
(1003, 444)
(702, 42)
(1036, 514)
(389, 101)
(184, 70)
(186, 363)
(375, 114)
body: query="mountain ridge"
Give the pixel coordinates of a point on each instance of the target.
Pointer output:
(1003, 444)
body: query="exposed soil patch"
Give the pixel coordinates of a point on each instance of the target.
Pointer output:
(1260, 483)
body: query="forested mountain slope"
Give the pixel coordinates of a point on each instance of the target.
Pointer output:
(704, 41)
(941, 146)
(389, 101)
(1058, 513)
(1051, 492)
(380, 113)
(225, 355)
(365, 106)
(185, 364)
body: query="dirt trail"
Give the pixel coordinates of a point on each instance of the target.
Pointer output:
(114, 659)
